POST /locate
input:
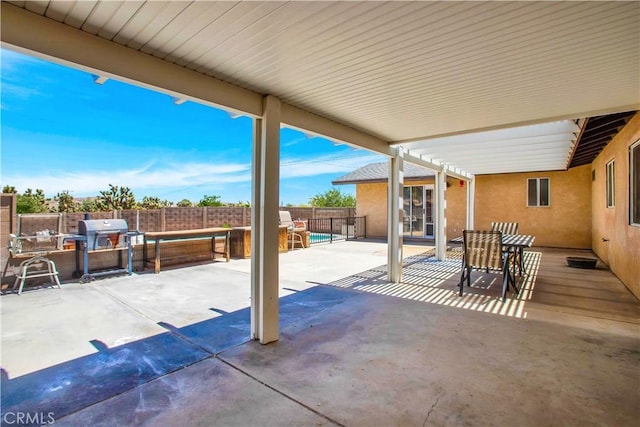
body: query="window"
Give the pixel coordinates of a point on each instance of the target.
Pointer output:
(611, 184)
(537, 192)
(634, 185)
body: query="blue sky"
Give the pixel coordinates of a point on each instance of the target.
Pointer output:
(61, 131)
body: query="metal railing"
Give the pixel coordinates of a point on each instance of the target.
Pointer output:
(328, 230)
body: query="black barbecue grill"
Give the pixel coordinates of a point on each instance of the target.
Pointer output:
(102, 235)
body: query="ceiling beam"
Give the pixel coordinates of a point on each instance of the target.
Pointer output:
(308, 122)
(571, 116)
(53, 41)
(56, 42)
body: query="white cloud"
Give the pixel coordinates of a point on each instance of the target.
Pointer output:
(153, 177)
(90, 182)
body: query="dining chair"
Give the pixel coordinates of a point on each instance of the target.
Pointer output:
(505, 227)
(511, 228)
(483, 251)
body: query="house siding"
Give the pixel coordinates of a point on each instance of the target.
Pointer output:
(621, 250)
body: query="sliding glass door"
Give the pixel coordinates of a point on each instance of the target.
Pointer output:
(418, 211)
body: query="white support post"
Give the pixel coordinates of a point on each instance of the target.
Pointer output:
(256, 203)
(441, 234)
(395, 216)
(471, 198)
(264, 223)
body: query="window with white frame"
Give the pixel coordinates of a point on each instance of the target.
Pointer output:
(634, 184)
(611, 184)
(538, 192)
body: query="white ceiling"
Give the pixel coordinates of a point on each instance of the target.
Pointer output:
(394, 71)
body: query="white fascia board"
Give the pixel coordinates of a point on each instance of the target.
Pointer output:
(56, 42)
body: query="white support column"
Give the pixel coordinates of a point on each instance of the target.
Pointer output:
(441, 234)
(471, 199)
(395, 216)
(256, 212)
(264, 223)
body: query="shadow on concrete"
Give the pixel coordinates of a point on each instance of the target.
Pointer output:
(76, 384)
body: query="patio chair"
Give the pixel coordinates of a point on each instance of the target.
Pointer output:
(505, 227)
(511, 228)
(295, 229)
(483, 251)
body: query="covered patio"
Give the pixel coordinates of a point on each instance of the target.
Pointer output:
(391, 77)
(355, 350)
(387, 345)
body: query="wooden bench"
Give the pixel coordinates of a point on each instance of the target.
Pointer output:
(196, 234)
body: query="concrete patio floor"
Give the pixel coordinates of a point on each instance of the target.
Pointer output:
(173, 348)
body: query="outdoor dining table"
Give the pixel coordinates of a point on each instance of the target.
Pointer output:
(517, 242)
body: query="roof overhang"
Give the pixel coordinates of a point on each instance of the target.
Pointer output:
(369, 74)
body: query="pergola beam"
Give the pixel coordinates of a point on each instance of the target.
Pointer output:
(410, 157)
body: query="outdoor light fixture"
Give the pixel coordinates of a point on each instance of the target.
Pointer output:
(99, 79)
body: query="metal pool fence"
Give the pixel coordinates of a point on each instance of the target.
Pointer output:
(328, 230)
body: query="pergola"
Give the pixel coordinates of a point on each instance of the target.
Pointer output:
(439, 84)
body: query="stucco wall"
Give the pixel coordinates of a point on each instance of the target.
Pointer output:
(371, 200)
(622, 250)
(565, 223)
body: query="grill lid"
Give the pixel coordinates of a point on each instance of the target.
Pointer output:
(101, 226)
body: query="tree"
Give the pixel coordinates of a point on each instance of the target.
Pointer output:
(9, 189)
(88, 205)
(66, 203)
(116, 198)
(184, 203)
(31, 202)
(154, 203)
(333, 198)
(210, 201)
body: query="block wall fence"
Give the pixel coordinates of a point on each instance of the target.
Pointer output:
(165, 219)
